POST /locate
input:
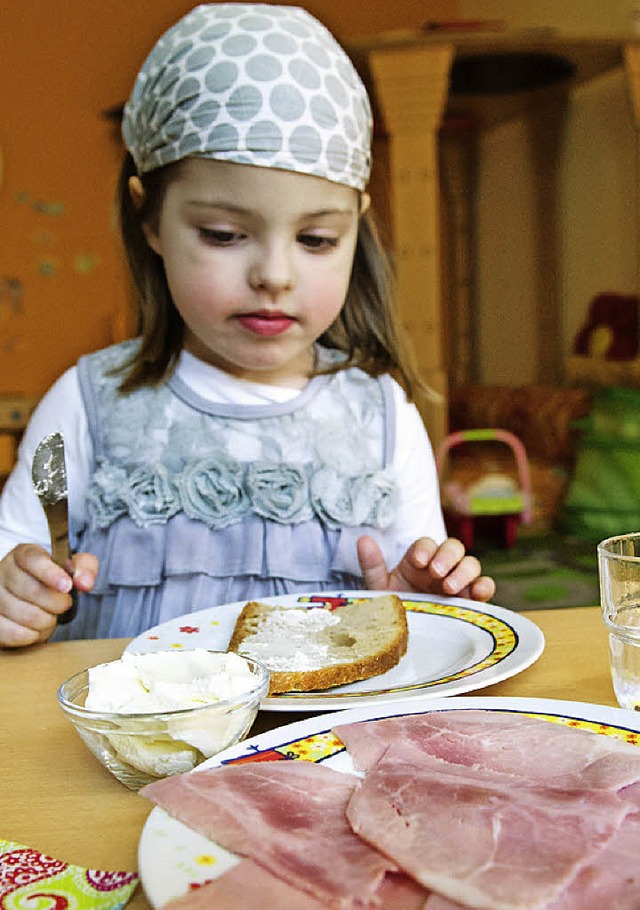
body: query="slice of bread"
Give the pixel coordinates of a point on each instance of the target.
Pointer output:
(316, 648)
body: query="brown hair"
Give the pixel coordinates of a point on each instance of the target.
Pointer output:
(367, 329)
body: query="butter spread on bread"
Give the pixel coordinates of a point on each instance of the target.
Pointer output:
(317, 648)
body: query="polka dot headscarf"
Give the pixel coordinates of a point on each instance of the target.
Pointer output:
(252, 84)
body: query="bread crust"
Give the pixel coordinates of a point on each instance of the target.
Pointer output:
(383, 619)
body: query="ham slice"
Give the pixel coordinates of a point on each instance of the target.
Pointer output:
(474, 837)
(438, 902)
(612, 879)
(290, 818)
(246, 886)
(512, 743)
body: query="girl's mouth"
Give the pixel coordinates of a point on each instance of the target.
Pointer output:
(266, 322)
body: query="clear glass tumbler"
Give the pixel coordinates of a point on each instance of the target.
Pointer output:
(619, 570)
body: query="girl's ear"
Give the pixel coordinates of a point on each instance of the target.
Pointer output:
(136, 191)
(365, 202)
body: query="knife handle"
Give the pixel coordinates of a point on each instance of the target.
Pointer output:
(67, 616)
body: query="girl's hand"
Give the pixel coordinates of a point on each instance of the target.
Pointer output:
(34, 591)
(427, 569)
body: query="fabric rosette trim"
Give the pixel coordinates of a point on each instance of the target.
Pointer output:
(220, 491)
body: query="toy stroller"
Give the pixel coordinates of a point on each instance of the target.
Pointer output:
(495, 494)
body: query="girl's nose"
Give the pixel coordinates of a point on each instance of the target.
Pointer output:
(271, 271)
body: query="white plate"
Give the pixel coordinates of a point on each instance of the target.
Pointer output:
(455, 646)
(172, 857)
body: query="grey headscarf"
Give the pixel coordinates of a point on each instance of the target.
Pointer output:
(253, 84)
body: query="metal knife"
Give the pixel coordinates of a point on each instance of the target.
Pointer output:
(49, 477)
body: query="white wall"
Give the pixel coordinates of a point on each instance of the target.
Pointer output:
(597, 197)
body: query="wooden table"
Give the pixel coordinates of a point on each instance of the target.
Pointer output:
(56, 797)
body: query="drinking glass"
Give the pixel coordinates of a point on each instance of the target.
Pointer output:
(619, 572)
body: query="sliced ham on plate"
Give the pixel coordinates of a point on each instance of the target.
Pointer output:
(538, 751)
(473, 836)
(513, 743)
(290, 818)
(457, 810)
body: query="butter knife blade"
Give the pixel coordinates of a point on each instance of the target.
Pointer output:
(49, 478)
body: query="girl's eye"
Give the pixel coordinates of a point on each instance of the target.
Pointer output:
(317, 242)
(219, 236)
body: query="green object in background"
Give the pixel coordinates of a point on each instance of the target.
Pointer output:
(496, 505)
(604, 495)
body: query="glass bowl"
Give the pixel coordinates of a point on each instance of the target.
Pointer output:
(142, 747)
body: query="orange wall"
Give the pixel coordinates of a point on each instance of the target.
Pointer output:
(63, 289)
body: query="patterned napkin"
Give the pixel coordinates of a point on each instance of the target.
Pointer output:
(31, 879)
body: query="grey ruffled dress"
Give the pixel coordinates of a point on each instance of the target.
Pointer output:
(195, 503)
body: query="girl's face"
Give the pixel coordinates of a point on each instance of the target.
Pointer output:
(258, 263)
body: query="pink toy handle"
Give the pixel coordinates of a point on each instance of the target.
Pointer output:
(489, 435)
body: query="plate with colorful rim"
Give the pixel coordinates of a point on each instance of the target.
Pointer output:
(455, 646)
(173, 859)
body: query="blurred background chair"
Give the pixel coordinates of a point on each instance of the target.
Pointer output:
(494, 494)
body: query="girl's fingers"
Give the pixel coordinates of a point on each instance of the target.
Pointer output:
(374, 569)
(443, 559)
(483, 588)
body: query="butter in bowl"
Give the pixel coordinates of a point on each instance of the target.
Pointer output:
(148, 716)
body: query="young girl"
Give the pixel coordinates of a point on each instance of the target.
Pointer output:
(250, 441)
